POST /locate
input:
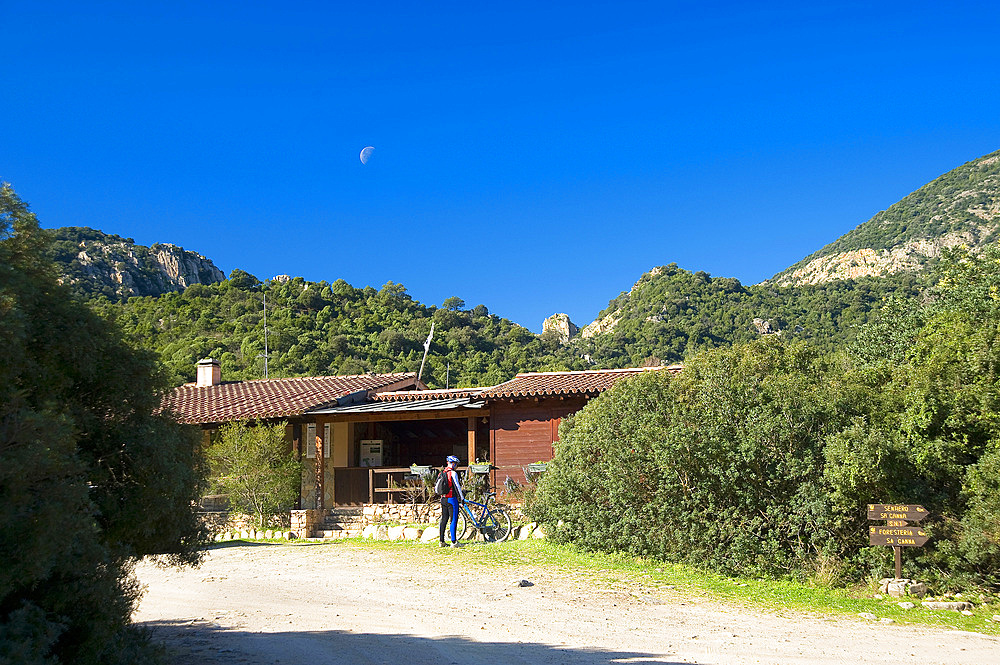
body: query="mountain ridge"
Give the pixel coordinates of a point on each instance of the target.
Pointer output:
(960, 207)
(669, 313)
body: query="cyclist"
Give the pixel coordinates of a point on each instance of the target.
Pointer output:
(451, 501)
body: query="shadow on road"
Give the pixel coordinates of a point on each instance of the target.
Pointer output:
(205, 643)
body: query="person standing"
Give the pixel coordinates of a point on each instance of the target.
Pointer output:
(451, 501)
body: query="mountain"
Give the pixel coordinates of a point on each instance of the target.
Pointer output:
(962, 207)
(670, 313)
(95, 263)
(191, 312)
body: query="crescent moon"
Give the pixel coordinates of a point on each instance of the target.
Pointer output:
(366, 153)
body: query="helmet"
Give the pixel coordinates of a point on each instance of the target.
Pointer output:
(450, 459)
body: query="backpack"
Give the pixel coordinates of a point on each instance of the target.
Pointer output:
(443, 485)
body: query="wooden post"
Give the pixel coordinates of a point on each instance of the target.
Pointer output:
(320, 467)
(472, 440)
(898, 551)
(371, 485)
(297, 449)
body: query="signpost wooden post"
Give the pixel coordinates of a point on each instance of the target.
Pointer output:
(897, 531)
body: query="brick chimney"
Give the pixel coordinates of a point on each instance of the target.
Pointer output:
(209, 373)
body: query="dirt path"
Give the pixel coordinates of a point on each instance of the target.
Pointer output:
(266, 604)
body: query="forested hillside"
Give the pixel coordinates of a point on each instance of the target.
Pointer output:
(320, 328)
(671, 313)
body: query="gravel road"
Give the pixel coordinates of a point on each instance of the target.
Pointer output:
(266, 604)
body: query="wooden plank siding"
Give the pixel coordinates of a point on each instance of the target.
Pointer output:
(523, 431)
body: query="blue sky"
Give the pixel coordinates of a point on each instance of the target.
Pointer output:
(531, 158)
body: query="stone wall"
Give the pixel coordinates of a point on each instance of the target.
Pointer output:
(420, 513)
(308, 523)
(305, 522)
(222, 521)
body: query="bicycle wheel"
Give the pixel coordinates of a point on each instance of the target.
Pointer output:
(497, 525)
(463, 530)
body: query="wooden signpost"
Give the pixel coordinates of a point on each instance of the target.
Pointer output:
(897, 531)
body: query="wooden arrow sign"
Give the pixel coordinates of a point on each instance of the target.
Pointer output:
(889, 511)
(908, 536)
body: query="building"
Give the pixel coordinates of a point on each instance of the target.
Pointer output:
(356, 432)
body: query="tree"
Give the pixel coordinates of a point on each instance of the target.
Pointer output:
(252, 463)
(90, 478)
(453, 304)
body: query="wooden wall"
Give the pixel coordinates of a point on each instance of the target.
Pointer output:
(523, 431)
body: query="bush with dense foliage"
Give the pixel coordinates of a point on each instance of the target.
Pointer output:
(720, 466)
(90, 479)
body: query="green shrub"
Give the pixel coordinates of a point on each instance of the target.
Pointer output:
(253, 463)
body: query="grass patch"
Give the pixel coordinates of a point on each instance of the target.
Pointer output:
(644, 578)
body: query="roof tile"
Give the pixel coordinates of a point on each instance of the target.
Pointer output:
(426, 395)
(269, 398)
(536, 384)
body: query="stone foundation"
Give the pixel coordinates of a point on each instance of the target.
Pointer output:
(305, 522)
(220, 522)
(373, 521)
(419, 513)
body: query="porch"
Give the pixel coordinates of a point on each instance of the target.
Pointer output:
(362, 453)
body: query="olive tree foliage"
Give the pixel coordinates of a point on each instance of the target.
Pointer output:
(253, 464)
(90, 479)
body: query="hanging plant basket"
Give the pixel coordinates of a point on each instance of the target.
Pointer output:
(479, 468)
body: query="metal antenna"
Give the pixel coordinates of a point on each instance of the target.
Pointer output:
(265, 355)
(427, 347)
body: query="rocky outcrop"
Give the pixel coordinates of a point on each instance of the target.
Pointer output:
(878, 263)
(602, 325)
(95, 263)
(764, 327)
(561, 326)
(181, 268)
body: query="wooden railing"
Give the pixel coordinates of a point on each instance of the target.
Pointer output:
(393, 486)
(390, 473)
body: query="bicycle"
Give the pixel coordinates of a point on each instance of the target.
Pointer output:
(488, 518)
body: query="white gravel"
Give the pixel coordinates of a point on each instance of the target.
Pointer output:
(415, 604)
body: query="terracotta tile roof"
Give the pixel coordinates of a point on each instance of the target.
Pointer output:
(425, 395)
(271, 398)
(588, 382)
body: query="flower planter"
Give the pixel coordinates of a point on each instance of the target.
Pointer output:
(420, 470)
(479, 468)
(537, 468)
